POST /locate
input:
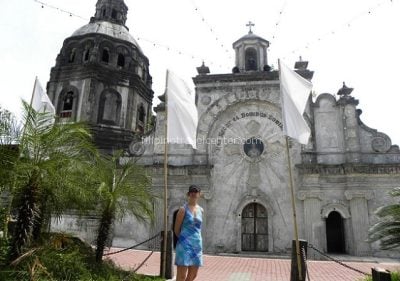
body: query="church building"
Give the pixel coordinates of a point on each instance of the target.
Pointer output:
(341, 176)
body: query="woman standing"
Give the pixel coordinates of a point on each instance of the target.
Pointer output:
(189, 248)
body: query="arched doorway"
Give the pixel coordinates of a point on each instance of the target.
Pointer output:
(255, 228)
(335, 233)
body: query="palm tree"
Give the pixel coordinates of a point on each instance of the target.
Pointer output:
(49, 172)
(123, 190)
(9, 134)
(387, 229)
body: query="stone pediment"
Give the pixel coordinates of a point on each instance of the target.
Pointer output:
(379, 142)
(339, 136)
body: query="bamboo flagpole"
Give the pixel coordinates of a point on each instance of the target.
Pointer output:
(30, 106)
(165, 237)
(33, 91)
(180, 126)
(294, 93)
(296, 232)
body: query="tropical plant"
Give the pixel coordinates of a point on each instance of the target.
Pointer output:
(9, 127)
(67, 258)
(387, 229)
(124, 189)
(394, 276)
(9, 135)
(48, 173)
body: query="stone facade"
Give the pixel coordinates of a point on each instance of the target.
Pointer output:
(341, 176)
(102, 77)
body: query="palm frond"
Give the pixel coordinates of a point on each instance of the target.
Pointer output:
(387, 229)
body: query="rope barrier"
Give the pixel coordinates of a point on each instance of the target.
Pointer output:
(336, 260)
(143, 262)
(303, 251)
(132, 247)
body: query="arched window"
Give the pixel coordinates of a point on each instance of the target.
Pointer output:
(86, 55)
(114, 14)
(139, 71)
(251, 59)
(110, 108)
(72, 55)
(105, 56)
(121, 60)
(67, 105)
(141, 117)
(103, 11)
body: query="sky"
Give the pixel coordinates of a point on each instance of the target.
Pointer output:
(353, 41)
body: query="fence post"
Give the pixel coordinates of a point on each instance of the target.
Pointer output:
(294, 273)
(380, 274)
(169, 269)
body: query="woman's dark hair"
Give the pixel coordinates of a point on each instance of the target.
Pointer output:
(194, 188)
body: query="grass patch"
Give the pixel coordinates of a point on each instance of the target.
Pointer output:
(66, 258)
(394, 276)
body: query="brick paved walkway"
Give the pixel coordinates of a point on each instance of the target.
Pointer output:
(221, 268)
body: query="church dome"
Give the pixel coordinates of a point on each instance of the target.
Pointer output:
(107, 28)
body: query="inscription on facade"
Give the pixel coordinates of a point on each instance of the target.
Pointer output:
(243, 115)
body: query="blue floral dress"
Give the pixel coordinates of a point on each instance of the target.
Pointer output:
(189, 248)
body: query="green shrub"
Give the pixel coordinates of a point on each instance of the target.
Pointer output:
(62, 257)
(395, 276)
(4, 249)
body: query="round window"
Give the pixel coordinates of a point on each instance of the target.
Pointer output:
(253, 147)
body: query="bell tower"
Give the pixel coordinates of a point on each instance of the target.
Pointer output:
(102, 78)
(111, 10)
(251, 52)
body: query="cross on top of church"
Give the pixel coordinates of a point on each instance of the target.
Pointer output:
(250, 25)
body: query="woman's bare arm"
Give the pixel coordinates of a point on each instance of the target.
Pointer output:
(178, 222)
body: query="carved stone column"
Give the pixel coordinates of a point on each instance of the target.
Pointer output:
(350, 126)
(360, 219)
(312, 218)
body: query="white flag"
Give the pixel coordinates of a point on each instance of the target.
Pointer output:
(182, 111)
(40, 100)
(295, 91)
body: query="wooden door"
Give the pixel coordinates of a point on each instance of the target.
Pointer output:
(254, 228)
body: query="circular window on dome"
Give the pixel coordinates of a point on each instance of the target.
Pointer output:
(253, 147)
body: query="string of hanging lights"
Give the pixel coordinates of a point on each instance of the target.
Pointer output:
(150, 42)
(177, 51)
(43, 4)
(211, 29)
(346, 25)
(278, 22)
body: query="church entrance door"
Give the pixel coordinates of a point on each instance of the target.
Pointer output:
(254, 228)
(335, 233)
